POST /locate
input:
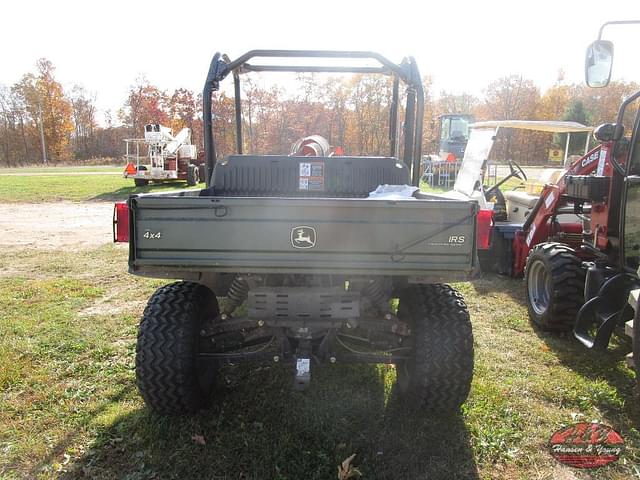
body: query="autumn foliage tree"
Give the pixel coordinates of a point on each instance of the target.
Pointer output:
(183, 109)
(351, 112)
(16, 141)
(145, 103)
(55, 112)
(83, 111)
(511, 98)
(47, 109)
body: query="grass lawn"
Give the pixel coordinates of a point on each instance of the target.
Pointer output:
(57, 170)
(75, 188)
(69, 406)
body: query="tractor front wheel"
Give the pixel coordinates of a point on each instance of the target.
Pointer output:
(554, 280)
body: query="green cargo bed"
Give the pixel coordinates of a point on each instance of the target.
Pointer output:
(176, 233)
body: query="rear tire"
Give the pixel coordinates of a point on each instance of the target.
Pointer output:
(170, 377)
(554, 280)
(439, 372)
(192, 175)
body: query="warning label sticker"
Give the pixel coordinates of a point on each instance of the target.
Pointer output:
(317, 169)
(305, 169)
(311, 176)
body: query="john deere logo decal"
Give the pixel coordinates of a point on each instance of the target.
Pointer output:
(303, 237)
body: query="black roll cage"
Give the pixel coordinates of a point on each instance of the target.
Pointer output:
(407, 72)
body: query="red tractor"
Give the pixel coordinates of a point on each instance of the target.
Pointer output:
(579, 247)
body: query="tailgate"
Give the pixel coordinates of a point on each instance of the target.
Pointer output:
(302, 235)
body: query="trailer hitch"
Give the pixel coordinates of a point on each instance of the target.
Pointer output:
(302, 377)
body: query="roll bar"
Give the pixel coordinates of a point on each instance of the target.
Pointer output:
(407, 72)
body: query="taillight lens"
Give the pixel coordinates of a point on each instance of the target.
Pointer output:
(121, 222)
(483, 232)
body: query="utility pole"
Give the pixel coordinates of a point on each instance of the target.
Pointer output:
(42, 143)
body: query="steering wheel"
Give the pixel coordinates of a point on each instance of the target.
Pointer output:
(516, 171)
(494, 194)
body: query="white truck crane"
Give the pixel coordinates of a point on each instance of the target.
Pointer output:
(168, 158)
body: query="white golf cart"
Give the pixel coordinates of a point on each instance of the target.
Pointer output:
(511, 206)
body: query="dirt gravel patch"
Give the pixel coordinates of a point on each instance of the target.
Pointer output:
(56, 225)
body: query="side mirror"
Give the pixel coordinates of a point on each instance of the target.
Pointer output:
(598, 63)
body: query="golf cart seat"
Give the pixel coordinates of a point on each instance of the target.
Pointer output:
(520, 197)
(519, 205)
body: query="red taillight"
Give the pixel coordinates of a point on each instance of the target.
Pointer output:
(483, 233)
(451, 157)
(121, 222)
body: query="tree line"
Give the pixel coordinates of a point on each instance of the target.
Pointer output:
(40, 121)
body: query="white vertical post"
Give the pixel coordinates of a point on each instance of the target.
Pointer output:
(42, 142)
(566, 149)
(586, 144)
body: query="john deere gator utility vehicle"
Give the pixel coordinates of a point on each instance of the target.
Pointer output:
(292, 259)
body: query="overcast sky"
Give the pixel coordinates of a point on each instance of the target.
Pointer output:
(463, 45)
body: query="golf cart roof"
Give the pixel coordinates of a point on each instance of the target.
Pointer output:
(537, 125)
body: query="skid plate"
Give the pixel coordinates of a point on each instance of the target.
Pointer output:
(303, 303)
